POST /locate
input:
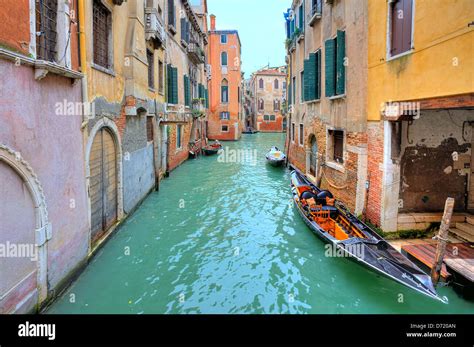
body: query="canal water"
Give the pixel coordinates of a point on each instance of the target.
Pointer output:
(222, 236)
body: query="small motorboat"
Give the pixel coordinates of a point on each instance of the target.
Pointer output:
(209, 150)
(275, 157)
(331, 221)
(216, 144)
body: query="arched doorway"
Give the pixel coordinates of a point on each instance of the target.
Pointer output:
(103, 183)
(24, 229)
(313, 155)
(104, 177)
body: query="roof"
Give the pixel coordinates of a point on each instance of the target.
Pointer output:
(271, 72)
(226, 32)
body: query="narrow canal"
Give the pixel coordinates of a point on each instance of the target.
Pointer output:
(223, 237)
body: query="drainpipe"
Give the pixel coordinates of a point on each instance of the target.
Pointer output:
(85, 99)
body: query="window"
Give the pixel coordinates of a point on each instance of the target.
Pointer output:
(301, 17)
(171, 13)
(293, 85)
(301, 135)
(266, 118)
(336, 145)
(172, 85)
(223, 38)
(400, 26)
(187, 91)
(276, 84)
(224, 91)
(312, 83)
(225, 129)
(260, 83)
(292, 132)
(284, 85)
(149, 129)
(161, 73)
(269, 118)
(225, 116)
(335, 53)
(276, 105)
(151, 71)
(179, 130)
(185, 28)
(224, 58)
(102, 25)
(46, 13)
(261, 104)
(302, 86)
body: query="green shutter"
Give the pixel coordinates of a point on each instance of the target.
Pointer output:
(329, 49)
(186, 91)
(310, 72)
(318, 74)
(288, 91)
(305, 81)
(207, 98)
(340, 68)
(169, 90)
(175, 86)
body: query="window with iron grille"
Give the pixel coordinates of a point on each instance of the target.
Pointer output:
(101, 34)
(46, 39)
(151, 68)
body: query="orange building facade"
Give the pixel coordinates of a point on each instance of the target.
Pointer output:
(224, 85)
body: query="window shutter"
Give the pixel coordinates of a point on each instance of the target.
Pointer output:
(169, 84)
(171, 12)
(329, 48)
(207, 98)
(186, 90)
(183, 29)
(318, 74)
(310, 72)
(175, 85)
(305, 81)
(341, 69)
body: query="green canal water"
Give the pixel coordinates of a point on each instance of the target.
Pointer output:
(224, 237)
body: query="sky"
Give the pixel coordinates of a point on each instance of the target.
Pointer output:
(261, 29)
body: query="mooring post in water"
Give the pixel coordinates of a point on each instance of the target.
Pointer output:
(442, 240)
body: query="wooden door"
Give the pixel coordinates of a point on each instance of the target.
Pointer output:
(103, 183)
(470, 190)
(314, 156)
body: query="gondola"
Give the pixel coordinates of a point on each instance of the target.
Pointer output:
(275, 157)
(209, 150)
(331, 221)
(216, 145)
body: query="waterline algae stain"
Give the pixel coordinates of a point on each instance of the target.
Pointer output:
(224, 237)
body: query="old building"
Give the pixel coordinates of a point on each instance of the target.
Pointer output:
(44, 229)
(420, 112)
(327, 64)
(269, 92)
(187, 93)
(247, 106)
(225, 84)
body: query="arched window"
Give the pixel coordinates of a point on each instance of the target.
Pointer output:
(224, 58)
(260, 104)
(276, 84)
(260, 83)
(224, 91)
(276, 105)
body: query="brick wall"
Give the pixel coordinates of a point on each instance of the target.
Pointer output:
(375, 174)
(267, 126)
(177, 156)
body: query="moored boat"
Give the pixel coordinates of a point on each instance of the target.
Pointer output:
(209, 150)
(331, 221)
(275, 157)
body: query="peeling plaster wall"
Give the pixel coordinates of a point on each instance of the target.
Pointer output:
(427, 166)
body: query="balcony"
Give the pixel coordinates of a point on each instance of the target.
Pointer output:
(196, 53)
(199, 107)
(316, 12)
(154, 29)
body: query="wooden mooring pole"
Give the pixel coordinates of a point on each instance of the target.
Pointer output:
(442, 238)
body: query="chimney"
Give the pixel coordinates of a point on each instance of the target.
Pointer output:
(213, 22)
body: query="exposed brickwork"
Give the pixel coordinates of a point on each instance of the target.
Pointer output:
(270, 126)
(375, 174)
(176, 156)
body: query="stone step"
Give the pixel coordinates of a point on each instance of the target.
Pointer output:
(462, 234)
(470, 219)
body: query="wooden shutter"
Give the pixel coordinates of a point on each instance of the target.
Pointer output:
(186, 90)
(175, 85)
(407, 25)
(310, 73)
(318, 74)
(169, 84)
(340, 68)
(171, 12)
(290, 101)
(207, 98)
(183, 29)
(396, 46)
(329, 48)
(305, 81)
